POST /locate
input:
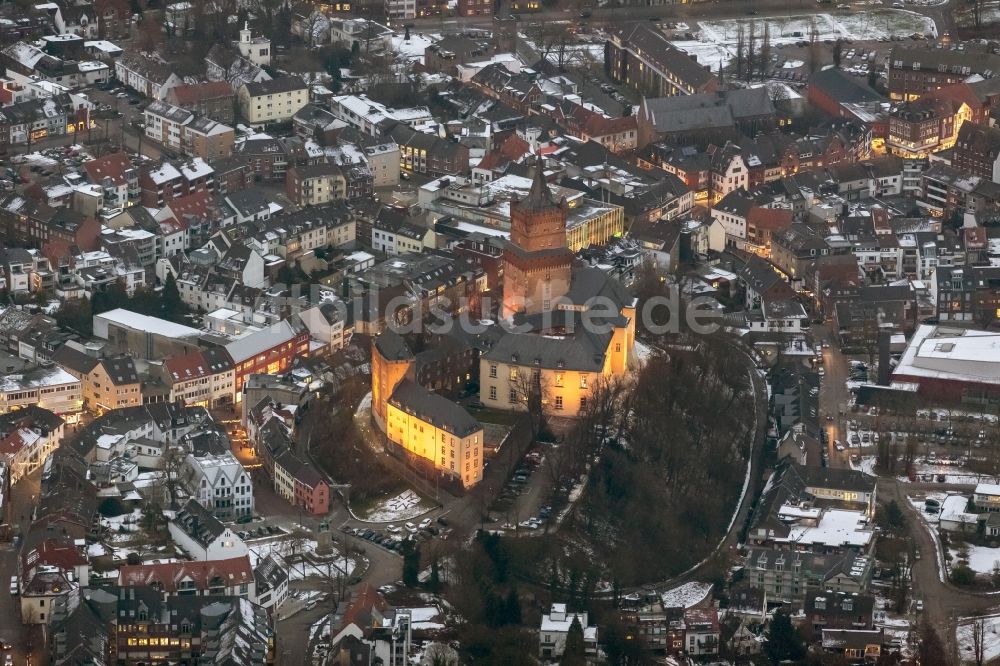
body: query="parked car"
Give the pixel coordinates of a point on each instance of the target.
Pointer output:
(425, 523)
(393, 529)
(411, 528)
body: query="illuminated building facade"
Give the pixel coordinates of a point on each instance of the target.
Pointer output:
(420, 422)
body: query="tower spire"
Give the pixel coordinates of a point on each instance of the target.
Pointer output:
(540, 196)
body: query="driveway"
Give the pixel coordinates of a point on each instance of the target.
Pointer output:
(944, 604)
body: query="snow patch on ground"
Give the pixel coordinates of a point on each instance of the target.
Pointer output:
(687, 595)
(867, 465)
(981, 558)
(403, 506)
(642, 352)
(793, 64)
(365, 405)
(963, 636)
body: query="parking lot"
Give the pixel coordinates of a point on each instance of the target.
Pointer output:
(519, 506)
(391, 537)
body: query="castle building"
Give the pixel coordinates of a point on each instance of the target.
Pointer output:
(421, 422)
(575, 324)
(537, 263)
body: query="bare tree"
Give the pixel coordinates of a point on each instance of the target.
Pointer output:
(440, 654)
(740, 50)
(530, 392)
(175, 474)
(150, 36)
(813, 54)
(751, 50)
(765, 49)
(979, 641)
(311, 26)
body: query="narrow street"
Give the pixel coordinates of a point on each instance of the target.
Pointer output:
(833, 396)
(19, 510)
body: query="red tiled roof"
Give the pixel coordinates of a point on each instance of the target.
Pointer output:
(975, 238)
(172, 225)
(365, 601)
(198, 204)
(11, 444)
(958, 92)
(57, 552)
(187, 366)
(112, 166)
(598, 125)
(514, 147)
(234, 571)
(196, 92)
(772, 219)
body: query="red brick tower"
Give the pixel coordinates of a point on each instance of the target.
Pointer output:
(536, 263)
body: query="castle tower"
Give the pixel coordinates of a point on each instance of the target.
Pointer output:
(537, 264)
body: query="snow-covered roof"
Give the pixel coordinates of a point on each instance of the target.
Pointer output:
(196, 168)
(988, 489)
(953, 509)
(836, 527)
(939, 352)
(254, 343)
(40, 378)
(141, 322)
(164, 173)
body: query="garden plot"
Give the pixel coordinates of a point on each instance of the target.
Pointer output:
(123, 528)
(400, 507)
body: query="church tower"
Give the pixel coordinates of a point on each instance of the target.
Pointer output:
(537, 264)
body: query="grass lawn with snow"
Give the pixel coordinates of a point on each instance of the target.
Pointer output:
(399, 506)
(963, 636)
(980, 558)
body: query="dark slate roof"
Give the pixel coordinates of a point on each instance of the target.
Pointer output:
(393, 347)
(843, 87)
(655, 46)
(839, 478)
(121, 370)
(583, 352)
(539, 196)
(434, 409)
(199, 523)
(281, 84)
(73, 359)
